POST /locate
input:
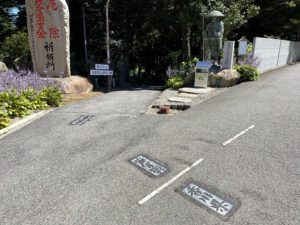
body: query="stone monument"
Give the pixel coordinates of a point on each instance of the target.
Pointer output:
(213, 36)
(228, 55)
(49, 36)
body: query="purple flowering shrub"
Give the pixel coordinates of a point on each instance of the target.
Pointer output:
(250, 60)
(171, 72)
(24, 80)
(247, 67)
(177, 75)
(23, 92)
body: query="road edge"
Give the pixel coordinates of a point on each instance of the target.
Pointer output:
(23, 122)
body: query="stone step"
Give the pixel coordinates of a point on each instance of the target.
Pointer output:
(187, 95)
(195, 90)
(180, 100)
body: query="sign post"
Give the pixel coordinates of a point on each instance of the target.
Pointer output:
(103, 70)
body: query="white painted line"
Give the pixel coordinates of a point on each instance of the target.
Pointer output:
(155, 192)
(237, 136)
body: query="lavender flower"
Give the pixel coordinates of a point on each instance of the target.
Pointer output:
(251, 60)
(24, 80)
(171, 72)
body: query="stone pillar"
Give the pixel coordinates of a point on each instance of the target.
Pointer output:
(228, 55)
(49, 36)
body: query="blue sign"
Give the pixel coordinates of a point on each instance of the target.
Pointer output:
(201, 64)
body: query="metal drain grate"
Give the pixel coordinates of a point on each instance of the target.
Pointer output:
(82, 120)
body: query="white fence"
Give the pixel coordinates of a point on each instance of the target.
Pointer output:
(275, 53)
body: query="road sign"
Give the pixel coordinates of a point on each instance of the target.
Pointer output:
(101, 70)
(101, 66)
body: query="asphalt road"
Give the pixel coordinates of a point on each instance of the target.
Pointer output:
(55, 173)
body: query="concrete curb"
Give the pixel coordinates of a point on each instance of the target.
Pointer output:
(23, 122)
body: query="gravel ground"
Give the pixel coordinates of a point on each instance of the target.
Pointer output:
(162, 100)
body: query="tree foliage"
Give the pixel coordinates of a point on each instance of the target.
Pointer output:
(15, 50)
(278, 18)
(14, 45)
(150, 35)
(237, 13)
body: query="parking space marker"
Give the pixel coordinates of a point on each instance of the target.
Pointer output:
(154, 169)
(155, 192)
(82, 120)
(237, 136)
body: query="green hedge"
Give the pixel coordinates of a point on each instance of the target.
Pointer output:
(175, 82)
(4, 119)
(248, 73)
(15, 104)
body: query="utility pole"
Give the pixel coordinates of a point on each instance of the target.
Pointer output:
(109, 78)
(107, 32)
(203, 8)
(84, 36)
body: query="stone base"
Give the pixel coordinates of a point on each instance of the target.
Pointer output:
(228, 78)
(75, 84)
(3, 67)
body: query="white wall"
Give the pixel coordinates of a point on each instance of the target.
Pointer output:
(295, 52)
(284, 52)
(274, 53)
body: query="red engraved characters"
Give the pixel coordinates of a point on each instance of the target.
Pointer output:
(54, 32)
(52, 5)
(40, 19)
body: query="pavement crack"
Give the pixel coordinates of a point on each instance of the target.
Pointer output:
(208, 141)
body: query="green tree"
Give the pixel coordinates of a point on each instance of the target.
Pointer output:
(15, 50)
(280, 18)
(237, 13)
(14, 46)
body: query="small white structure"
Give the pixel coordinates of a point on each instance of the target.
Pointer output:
(201, 74)
(228, 55)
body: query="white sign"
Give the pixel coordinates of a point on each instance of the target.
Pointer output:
(243, 48)
(102, 67)
(209, 200)
(228, 54)
(102, 73)
(150, 166)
